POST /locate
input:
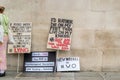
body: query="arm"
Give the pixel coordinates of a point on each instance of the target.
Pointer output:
(6, 24)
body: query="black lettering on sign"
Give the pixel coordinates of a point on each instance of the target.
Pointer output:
(61, 27)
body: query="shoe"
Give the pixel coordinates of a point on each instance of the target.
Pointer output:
(2, 74)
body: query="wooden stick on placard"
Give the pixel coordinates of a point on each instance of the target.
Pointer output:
(18, 63)
(56, 60)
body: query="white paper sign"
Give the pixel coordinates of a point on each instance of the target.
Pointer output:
(39, 58)
(39, 69)
(39, 64)
(40, 54)
(68, 64)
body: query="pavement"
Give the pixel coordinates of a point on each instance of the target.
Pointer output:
(12, 75)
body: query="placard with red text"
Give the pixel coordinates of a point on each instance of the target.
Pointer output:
(22, 36)
(60, 34)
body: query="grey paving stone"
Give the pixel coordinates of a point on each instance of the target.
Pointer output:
(113, 78)
(63, 76)
(86, 74)
(67, 78)
(53, 78)
(88, 78)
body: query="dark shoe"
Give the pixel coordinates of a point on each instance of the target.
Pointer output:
(2, 74)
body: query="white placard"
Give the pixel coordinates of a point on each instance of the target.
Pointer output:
(39, 58)
(39, 68)
(68, 64)
(39, 64)
(40, 54)
(22, 36)
(60, 34)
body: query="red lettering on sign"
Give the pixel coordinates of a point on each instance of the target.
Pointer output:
(51, 43)
(66, 41)
(54, 47)
(61, 44)
(20, 50)
(58, 40)
(65, 48)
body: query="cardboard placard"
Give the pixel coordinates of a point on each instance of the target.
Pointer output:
(22, 36)
(60, 34)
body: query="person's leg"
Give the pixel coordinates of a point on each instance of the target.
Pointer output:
(3, 64)
(2, 73)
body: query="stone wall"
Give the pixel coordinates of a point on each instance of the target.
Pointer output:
(96, 30)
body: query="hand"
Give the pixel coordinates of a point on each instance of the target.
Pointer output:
(1, 43)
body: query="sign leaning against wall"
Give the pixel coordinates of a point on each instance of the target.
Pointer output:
(22, 36)
(68, 64)
(40, 62)
(60, 34)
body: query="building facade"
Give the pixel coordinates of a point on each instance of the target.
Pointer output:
(95, 35)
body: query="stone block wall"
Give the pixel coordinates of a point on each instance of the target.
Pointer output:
(96, 29)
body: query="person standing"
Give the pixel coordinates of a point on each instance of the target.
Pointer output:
(3, 46)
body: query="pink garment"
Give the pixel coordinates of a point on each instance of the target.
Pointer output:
(3, 61)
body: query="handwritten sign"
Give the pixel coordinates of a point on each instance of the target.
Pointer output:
(60, 34)
(68, 64)
(22, 36)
